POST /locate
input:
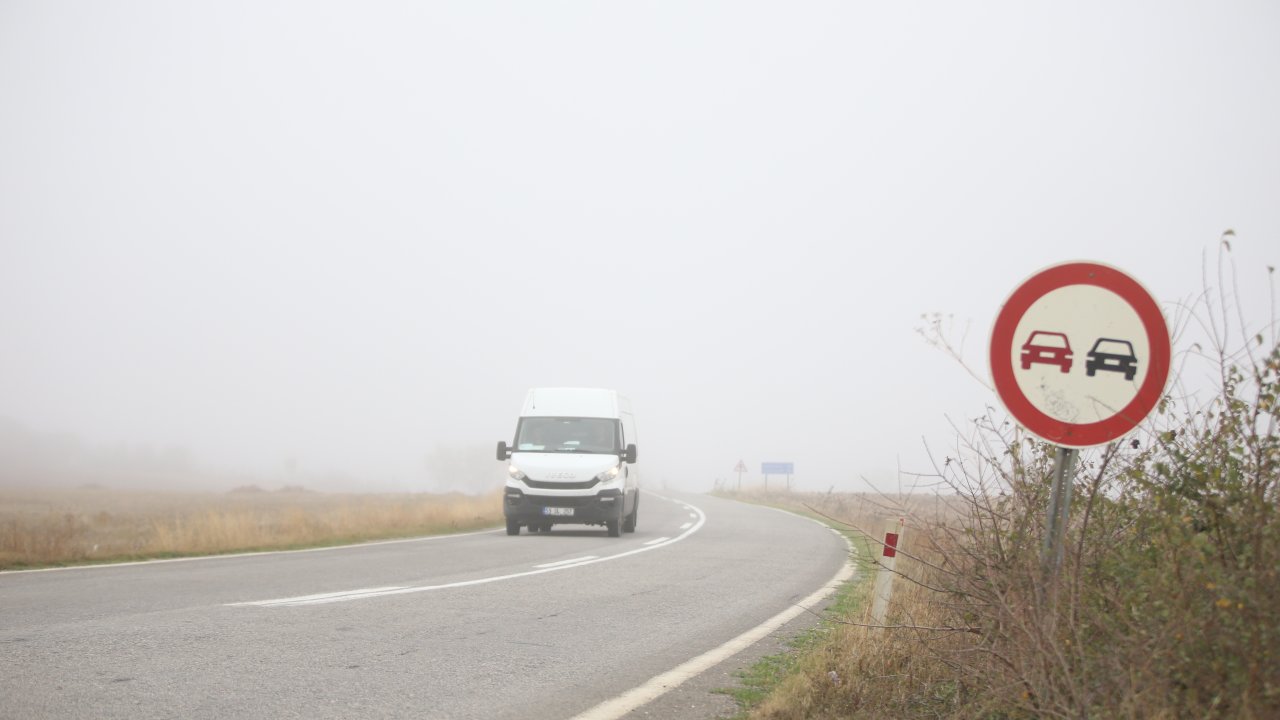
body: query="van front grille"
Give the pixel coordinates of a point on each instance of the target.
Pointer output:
(542, 485)
(573, 502)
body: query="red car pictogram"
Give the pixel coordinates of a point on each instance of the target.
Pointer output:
(1048, 348)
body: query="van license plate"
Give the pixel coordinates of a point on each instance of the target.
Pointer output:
(557, 511)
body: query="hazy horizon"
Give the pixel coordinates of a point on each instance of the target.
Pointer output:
(325, 240)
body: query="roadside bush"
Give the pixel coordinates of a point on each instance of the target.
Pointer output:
(1167, 601)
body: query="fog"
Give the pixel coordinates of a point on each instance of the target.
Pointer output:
(333, 244)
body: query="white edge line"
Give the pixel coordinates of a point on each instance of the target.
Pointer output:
(347, 595)
(196, 558)
(655, 541)
(659, 685)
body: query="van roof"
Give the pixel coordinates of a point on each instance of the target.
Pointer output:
(574, 402)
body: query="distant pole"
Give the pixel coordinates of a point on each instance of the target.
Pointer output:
(788, 482)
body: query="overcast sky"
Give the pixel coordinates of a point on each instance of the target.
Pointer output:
(342, 235)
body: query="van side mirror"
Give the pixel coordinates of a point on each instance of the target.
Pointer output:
(630, 454)
(503, 453)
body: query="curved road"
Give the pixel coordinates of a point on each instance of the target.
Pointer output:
(464, 626)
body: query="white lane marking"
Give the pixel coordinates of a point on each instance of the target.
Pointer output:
(345, 593)
(661, 684)
(682, 527)
(327, 548)
(349, 595)
(692, 515)
(655, 541)
(568, 562)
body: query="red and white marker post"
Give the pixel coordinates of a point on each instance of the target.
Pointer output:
(893, 528)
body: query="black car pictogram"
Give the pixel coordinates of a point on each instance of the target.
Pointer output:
(1113, 356)
(1049, 348)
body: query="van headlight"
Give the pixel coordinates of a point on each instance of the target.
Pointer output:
(610, 475)
(516, 474)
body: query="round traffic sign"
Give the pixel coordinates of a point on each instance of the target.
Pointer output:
(1080, 354)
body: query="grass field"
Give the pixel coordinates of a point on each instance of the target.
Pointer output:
(812, 679)
(783, 677)
(40, 528)
(1163, 604)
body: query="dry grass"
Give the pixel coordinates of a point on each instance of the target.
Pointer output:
(847, 669)
(862, 672)
(1164, 604)
(1162, 610)
(56, 527)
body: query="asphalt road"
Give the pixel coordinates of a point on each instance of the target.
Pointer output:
(466, 626)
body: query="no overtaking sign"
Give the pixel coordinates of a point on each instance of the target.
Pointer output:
(1080, 354)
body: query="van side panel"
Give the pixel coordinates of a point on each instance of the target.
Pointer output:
(629, 430)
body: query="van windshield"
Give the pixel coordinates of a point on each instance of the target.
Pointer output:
(568, 435)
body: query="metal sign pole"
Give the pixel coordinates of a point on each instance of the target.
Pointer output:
(1064, 462)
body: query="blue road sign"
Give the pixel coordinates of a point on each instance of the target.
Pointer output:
(777, 468)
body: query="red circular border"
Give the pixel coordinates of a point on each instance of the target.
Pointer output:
(1056, 431)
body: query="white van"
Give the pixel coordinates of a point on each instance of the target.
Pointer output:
(572, 462)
